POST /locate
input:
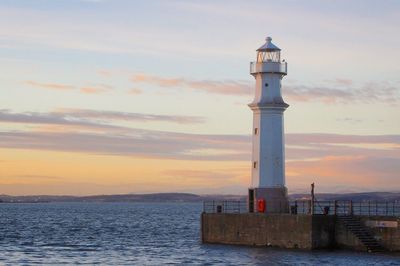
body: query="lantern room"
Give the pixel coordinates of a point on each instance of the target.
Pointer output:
(269, 52)
(268, 60)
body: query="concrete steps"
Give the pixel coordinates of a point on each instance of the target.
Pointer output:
(358, 230)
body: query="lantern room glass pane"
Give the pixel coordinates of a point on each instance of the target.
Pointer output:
(269, 56)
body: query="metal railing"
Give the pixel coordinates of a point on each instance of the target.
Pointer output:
(349, 207)
(225, 206)
(333, 207)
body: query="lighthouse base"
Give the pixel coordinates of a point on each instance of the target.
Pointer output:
(276, 199)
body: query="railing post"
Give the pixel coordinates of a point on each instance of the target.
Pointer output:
(335, 207)
(393, 208)
(386, 208)
(351, 207)
(369, 208)
(312, 198)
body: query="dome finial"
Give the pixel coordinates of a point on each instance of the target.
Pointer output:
(268, 39)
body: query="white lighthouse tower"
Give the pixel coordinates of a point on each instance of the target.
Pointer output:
(268, 159)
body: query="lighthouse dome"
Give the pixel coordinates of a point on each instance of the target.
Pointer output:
(269, 46)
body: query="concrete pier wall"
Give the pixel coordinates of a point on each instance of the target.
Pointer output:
(295, 231)
(278, 230)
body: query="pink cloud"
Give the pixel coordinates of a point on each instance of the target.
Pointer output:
(342, 81)
(105, 73)
(362, 172)
(51, 86)
(229, 87)
(135, 91)
(95, 89)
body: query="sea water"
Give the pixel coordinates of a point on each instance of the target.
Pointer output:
(137, 234)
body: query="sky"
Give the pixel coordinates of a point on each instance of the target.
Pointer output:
(112, 97)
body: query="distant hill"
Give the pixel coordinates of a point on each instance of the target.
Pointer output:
(188, 197)
(154, 197)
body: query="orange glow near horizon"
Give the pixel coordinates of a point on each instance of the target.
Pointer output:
(31, 172)
(27, 172)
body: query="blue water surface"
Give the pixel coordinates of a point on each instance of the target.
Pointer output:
(137, 234)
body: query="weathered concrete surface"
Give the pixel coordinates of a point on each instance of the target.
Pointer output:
(323, 231)
(276, 199)
(293, 231)
(388, 237)
(279, 230)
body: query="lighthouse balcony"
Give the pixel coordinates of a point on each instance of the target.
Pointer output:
(268, 67)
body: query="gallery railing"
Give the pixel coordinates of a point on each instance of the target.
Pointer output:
(337, 207)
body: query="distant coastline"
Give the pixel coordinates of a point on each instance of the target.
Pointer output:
(188, 197)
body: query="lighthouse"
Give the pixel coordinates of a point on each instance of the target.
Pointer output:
(268, 192)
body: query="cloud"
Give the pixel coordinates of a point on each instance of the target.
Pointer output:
(95, 89)
(50, 86)
(319, 138)
(302, 93)
(335, 162)
(92, 89)
(371, 92)
(342, 81)
(56, 118)
(91, 118)
(136, 142)
(63, 87)
(135, 91)
(338, 91)
(313, 146)
(361, 172)
(83, 130)
(104, 72)
(228, 87)
(91, 131)
(349, 120)
(118, 140)
(126, 116)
